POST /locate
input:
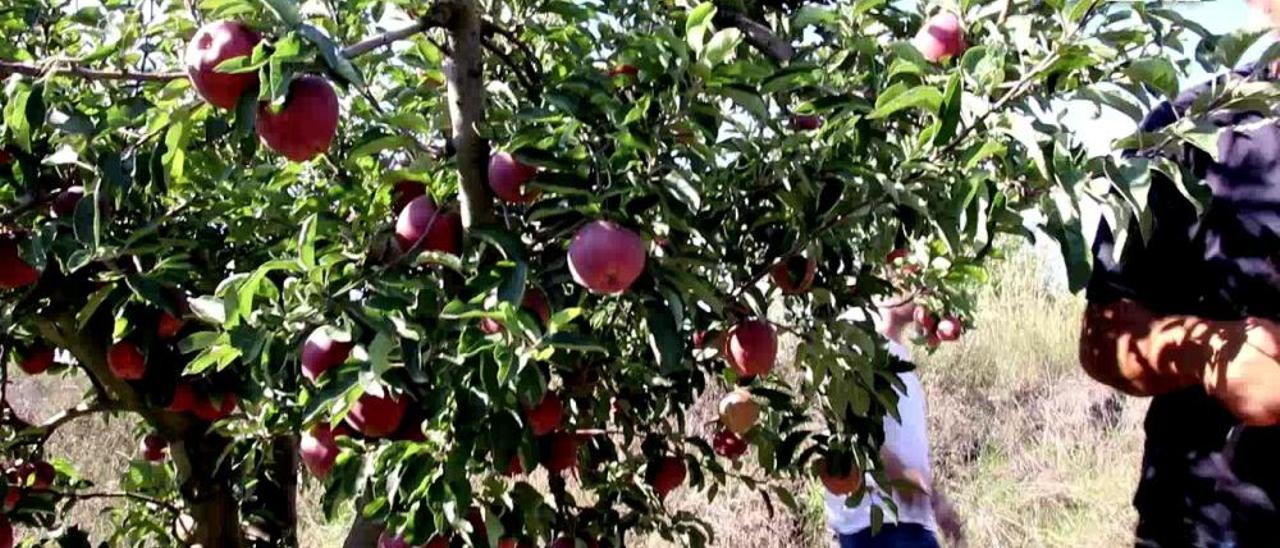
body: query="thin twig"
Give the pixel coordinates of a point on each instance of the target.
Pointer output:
(121, 495)
(511, 63)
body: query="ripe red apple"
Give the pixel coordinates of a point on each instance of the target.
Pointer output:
(838, 484)
(6, 533)
(507, 177)
(404, 192)
(65, 202)
(212, 44)
(728, 445)
(624, 70)
(306, 124)
(941, 36)
(168, 326)
(699, 338)
(12, 496)
(515, 467)
(153, 447)
(14, 272)
(5, 157)
(377, 416)
(739, 411)
(794, 275)
(508, 543)
(184, 398)
(37, 475)
(907, 267)
(950, 329)
(319, 450)
(666, 474)
(535, 301)
(605, 257)
(37, 360)
(126, 362)
(208, 410)
(321, 352)
(560, 452)
(806, 122)
(443, 231)
(546, 417)
(750, 347)
(928, 321)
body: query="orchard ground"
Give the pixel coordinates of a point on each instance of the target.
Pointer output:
(1031, 452)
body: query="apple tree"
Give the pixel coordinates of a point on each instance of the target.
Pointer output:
(424, 252)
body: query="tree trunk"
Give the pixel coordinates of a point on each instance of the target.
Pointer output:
(465, 71)
(206, 490)
(363, 533)
(271, 508)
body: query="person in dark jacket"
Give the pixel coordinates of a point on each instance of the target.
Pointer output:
(1189, 316)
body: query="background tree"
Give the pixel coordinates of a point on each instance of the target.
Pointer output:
(265, 262)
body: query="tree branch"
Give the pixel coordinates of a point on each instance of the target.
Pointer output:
(465, 74)
(123, 495)
(515, 67)
(757, 34)
(43, 431)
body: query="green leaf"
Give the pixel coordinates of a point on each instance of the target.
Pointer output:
(698, 23)
(814, 15)
(949, 117)
(573, 341)
(748, 99)
(284, 10)
(249, 289)
(198, 341)
(332, 55)
(207, 309)
(1156, 72)
(923, 97)
(511, 289)
(307, 242)
(87, 221)
(24, 113)
(664, 336)
(722, 43)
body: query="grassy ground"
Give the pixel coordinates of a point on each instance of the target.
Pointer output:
(1031, 452)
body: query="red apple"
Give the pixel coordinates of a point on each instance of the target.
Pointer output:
(212, 44)
(624, 70)
(728, 445)
(560, 452)
(184, 398)
(547, 416)
(806, 122)
(750, 347)
(319, 450)
(515, 467)
(605, 257)
(14, 272)
(507, 178)
(321, 352)
(6, 533)
(12, 496)
(38, 475)
(65, 202)
(739, 412)
(794, 275)
(928, 321)
(950, 329)
(5, 157)
(153, 447)
(208, 410)
(377, 416)
(37, 360)
(666, 474)
(508, 543)
(404, 192)
(126, 362)
(307, 123)
(535, 301)
(942, 36)
(838, 484)
(168, 326)
(893, 258)
(443, 231)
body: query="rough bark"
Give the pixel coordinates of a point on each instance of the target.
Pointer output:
(465, 72)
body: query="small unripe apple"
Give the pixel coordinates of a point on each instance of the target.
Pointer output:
(794, 275)
(666, 474)
(126, 362)
(212, 44)
(209, 410)
(728, 445)
(319, 450)
(377, 416)
(14, 271)
(751, 347)
(153, 447)
(307, 123)
(168, 326)
(321, 352)
(950, 329)
(547, 416)
(739, 412)
(836, 483)
(507, 178)
(37, 360)
(942, 36)
(606, 258)
(65, 202)
(806, 122)
(559, 452)
(421, 226)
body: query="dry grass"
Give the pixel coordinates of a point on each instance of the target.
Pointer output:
(1031, 451)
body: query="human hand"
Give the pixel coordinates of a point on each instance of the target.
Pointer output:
(949, 524)
(1246, 378)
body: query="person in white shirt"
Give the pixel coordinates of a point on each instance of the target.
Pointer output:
(922, 511)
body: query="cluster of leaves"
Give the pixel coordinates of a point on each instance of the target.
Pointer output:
(694, 149)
